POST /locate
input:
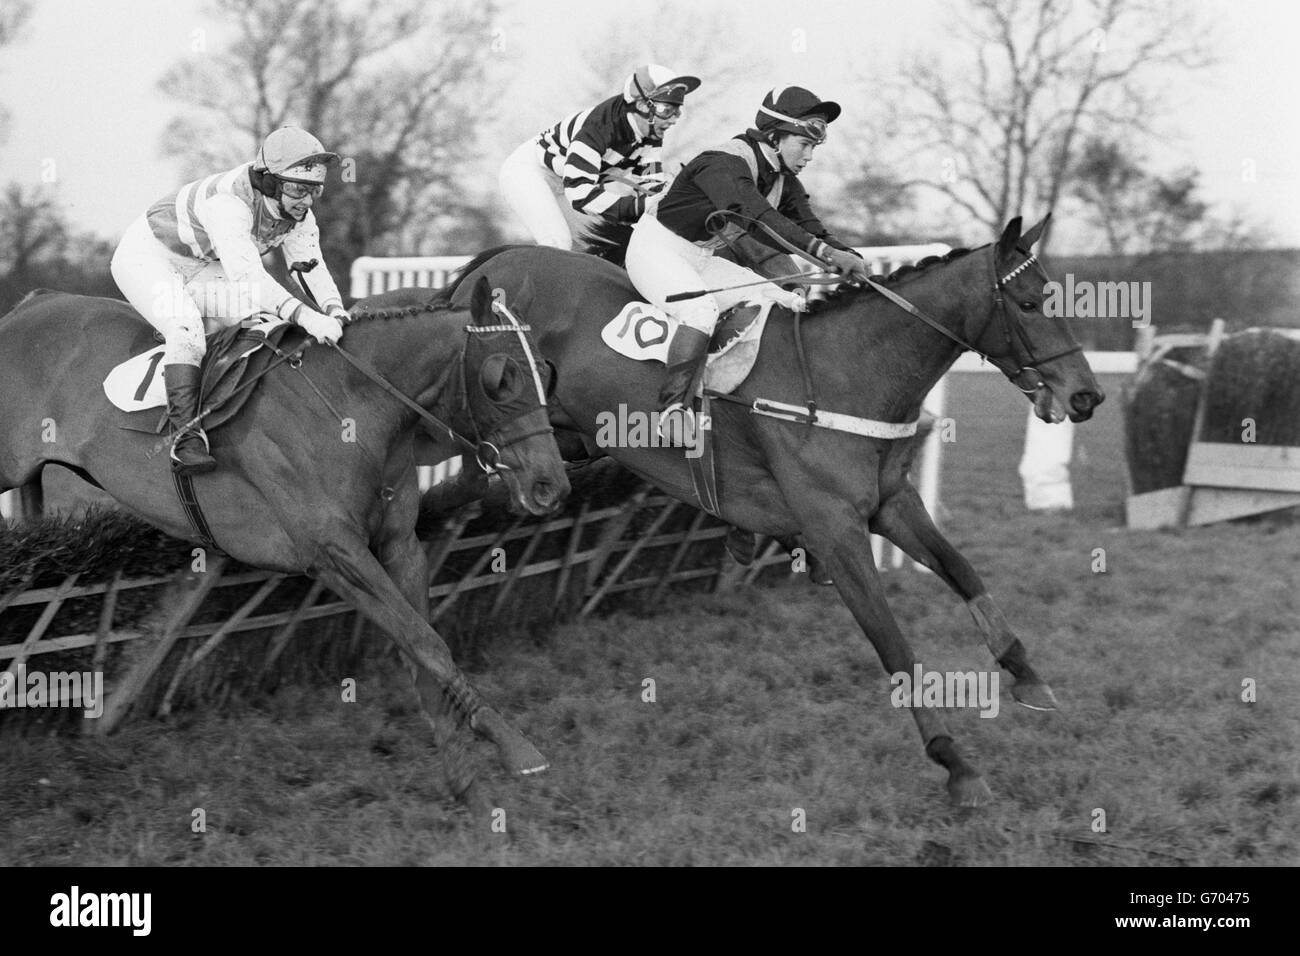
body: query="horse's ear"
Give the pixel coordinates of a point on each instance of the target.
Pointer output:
(1028, 239)
(1010, 236)
(480, 300)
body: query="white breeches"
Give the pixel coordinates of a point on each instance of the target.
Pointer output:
(176, 293)
(661, 263)
(537, 197)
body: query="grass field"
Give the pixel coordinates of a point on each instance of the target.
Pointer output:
(769, 701)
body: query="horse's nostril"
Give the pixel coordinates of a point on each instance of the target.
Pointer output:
(1084, 402)
(543, 492)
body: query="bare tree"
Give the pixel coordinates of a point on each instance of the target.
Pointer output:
(13, 16)
(392, 86)
(1006, 126)
(31, 229)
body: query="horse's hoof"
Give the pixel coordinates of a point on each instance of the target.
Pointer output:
(523, 758)
(517, 754)
(969, 791)
(1035, 695)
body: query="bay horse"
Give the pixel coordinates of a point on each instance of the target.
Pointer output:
(865, 356)
(297, 489)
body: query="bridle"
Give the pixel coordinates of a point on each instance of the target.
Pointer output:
(487, 450)
(1025, 377)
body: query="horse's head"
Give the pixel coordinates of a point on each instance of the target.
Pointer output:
(1038, 352)
(507, 387)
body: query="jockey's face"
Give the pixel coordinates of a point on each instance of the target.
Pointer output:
(297, 198)
(663, 116)
(795, 151)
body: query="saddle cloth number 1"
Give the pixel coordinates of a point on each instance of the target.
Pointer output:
(137, 383)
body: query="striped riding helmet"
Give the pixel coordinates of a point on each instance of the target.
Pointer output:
(295, 155)
(658, 84)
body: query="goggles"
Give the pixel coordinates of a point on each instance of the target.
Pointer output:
(301, 190)
(665, 110)
(813, 127)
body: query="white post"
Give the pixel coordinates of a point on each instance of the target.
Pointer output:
(1045, 465)
(9, 504)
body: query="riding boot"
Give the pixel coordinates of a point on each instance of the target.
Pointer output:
(190, 451)
(686, 353)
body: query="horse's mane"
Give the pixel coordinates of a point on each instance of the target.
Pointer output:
(844, 292)
(607, 239)
(446, 293)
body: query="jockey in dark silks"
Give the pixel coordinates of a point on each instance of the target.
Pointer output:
(755, 174)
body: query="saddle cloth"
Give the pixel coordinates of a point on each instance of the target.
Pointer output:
(642, 332)
(233, 355)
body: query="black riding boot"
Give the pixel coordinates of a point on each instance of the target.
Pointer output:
(190, 453)
(686, 354)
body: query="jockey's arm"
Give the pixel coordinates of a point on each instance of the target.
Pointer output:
(586, 192)
(302, 244)
(796, 207)
(229, 225)
(726, 181)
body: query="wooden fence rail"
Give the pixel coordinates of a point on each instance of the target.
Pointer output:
(594, 554)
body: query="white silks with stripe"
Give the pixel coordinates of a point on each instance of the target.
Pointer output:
(222, 218)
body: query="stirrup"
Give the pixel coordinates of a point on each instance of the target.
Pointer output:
(676, 435)
(200, 467)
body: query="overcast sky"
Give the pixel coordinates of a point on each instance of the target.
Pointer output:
(81, 87)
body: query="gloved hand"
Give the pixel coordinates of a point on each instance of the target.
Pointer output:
(323, 328)
(846, 263)
(340, 314)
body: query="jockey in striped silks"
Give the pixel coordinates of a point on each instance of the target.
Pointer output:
(197, 253)
(603, 161)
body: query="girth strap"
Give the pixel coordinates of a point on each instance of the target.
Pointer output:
(193, 510)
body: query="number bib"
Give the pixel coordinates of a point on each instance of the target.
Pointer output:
(137, 383)
(640, 332)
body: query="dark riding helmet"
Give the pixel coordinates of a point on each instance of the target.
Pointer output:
(795, 110)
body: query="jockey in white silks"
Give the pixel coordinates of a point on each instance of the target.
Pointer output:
(671, 251)
(197, 253)
(603, 162)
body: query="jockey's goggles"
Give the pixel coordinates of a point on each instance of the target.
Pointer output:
(665, 110)
(301, 190)
(811, 127)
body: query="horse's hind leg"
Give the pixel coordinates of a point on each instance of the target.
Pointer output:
(351, 571)
(902, 519)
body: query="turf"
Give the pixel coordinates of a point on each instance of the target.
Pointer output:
(768, 702)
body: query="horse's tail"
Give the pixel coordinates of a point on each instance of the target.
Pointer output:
(608, 239)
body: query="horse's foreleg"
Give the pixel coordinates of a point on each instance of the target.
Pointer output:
(902, 519)
(404, 560)
(31, 498)
(354, 573)
(847, 554)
